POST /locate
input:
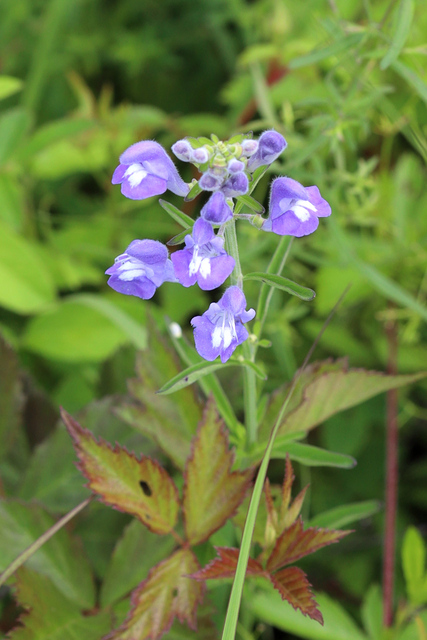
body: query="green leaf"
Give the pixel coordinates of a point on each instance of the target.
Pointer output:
(179, 238)
(13, 126)
(402, 27)
(193, 193)
(411, 78)
(284, 284)
(61, 558)
(25, 284)
(169, 421)
(312, 456)
(177, 215)
(325, 388)
(196, 371)
(339, 46)
(53, 616)
(9, 86)
(251, 203)
(139, 486)
(413, 562)
(54, 132)
(372, 613)
(346, 514)
(135, 553)
(167, 594)
(268, 607)
(212, 492)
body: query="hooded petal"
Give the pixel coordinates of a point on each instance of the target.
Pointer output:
(270, 145)
(216, 210)
(236, 185)
(148, 187)
(289, 224)
(323, 208)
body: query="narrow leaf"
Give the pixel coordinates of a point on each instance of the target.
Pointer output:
(293, 586)
(168, 593)
(224, 566)
(295, 543)
(193, 193)
(284, 284)
(313, 456)
(140, 487)
(419, 86)
(251, 203)
(212, 492)
(179, 238)
(196, 371)
(339, 46)
(180, 217)
(342, 516)
(413, 564)
(403, 21)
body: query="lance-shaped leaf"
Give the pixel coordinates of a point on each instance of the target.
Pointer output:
(284, 284)
(212, 492)
(166, 594)
(224, 565)
(180, 217)
(140, 487)
(295, 543)
(293, 586)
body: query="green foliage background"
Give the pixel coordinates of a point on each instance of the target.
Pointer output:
(345, 82)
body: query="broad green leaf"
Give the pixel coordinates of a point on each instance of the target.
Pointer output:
(25, 284)
(11, 398)
(166, 594)
(135, 553)
(312, 456)
(224, 566)
(13, 127)
(139, 486)
(251, 203)
(78, 331)
(177, 215)
(412, 78)
(413, 563)
(339, 46)
(51, 615)
(60, 559)
(402, 27)
(212, 492)
(9, 86)
(372, 613)
(293, 586)
(284, 284)
(196, 371)
(170, 421)
(12, 201)
(268, 607)
(346, 514)
(325, 388)
(55, 131)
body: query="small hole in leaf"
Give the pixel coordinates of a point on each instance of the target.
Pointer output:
(174, 593)
(146, 489)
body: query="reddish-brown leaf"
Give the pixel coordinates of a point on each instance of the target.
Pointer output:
(293, 586)
(272, 524)
(212, 492)
(224, 566)
(139, 486)
(166, 594)
(286, 488)
(293, 511)
(295, 543)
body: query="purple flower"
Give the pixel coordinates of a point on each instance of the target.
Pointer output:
(146, 170)
(141, 269)
(220, 329)
(270, 145)
(212, 179)
(294, 210)
(216, 210)
(236, 185)
(203, 260)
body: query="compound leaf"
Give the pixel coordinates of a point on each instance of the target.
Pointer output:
(224, 565)
(293, 586)
(140, 487)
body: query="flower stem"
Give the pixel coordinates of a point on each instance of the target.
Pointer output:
(249, 380)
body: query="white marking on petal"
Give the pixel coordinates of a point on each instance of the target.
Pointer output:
(217, 337)
(227, 336)
(306, 204)
(135, 174)
(205, 268)
(131, 274)
(301, 213)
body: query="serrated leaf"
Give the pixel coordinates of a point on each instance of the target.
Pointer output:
(140, 487)
(51, 615)
(224, 565)
(293, 586)
(251, 203)
(212, 492)
(177, 215)
(325, 388)
(284, 284)
(168, 593)
(403, 21)
(170, 421)
(346, 514)
(196, 371)
(295, 543)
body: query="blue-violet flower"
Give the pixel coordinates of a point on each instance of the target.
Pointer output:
(270, 145)
(204, 259)
(294, 210)
(142, 268)
(220, 329)
(146, 170)
(216, 210)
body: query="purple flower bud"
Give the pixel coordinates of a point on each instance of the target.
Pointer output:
(183, 150)
(141, 269)
(216, 210)
(236, 185)
(203, 260)
(200, 155)
(270, 145)
(294, 210)
(146, 170)
(210, 181)
(220, 329)
(249, 147)
(235, 166)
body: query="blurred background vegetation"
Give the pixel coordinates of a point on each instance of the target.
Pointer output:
(345, 81)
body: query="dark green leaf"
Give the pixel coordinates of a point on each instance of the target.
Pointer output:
(251, 203)
(284, 284)
(177, 215)
(346, 514)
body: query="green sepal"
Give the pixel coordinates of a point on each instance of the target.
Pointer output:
(251, 203)
(193, 193)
